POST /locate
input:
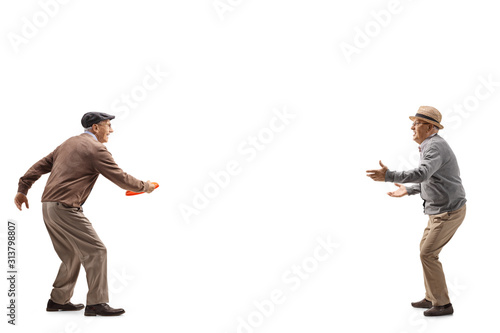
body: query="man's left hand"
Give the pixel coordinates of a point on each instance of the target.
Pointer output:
(378, 175)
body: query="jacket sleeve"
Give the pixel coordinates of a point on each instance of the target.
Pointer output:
(35, 172)
(431, 162)
(106, 165)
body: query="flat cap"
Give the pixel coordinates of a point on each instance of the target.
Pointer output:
(91, 118)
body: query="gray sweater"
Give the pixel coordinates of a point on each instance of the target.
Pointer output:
(437, 177)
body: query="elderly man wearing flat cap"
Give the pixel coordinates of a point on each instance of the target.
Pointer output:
(437, 179)
(74, 167)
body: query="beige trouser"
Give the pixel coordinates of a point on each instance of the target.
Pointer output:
(440, 229)
(76, 242)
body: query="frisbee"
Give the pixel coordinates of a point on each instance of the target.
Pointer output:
(129, 193)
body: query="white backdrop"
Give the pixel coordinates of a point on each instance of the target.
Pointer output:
(296, 99)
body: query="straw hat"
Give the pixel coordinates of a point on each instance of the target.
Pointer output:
(429, 114)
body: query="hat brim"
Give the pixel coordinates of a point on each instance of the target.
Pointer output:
(412, 118)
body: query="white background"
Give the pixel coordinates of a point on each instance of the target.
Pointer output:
(225, 78)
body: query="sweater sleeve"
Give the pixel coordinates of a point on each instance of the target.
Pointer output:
(414, 189)
(430, 163)
(38, 169)
(106, 165)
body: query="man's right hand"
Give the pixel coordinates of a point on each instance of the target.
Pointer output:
(151, 187)
(19, 199)
(400, 192)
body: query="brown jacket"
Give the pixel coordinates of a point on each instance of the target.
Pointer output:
(74, 167)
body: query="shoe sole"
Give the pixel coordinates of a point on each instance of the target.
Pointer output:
(93, 314)
(60, 310)
(437, 315)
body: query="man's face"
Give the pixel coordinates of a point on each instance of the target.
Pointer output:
(103, 130)
(421, 130)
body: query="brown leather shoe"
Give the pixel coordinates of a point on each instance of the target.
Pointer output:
(53, 306)
(102, 309)
(440, 310)
(425, 304)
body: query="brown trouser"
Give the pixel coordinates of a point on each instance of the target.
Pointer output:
(76, 242)
(440, 229)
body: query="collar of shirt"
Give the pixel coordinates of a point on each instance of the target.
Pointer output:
(424, 143)
(95, 137)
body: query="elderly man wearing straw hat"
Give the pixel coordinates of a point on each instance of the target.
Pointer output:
(437, 179)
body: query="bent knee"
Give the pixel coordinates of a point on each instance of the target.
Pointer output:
(427, 256)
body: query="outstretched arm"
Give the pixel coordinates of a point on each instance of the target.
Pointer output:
(41, 167)
(106, 165)
(431, 162)
(35, 172)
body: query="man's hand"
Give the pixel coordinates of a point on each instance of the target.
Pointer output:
(151, 187)
(400, 192)
(378, 175)
(19, 199)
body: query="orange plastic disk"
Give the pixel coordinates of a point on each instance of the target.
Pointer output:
(129, 193)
